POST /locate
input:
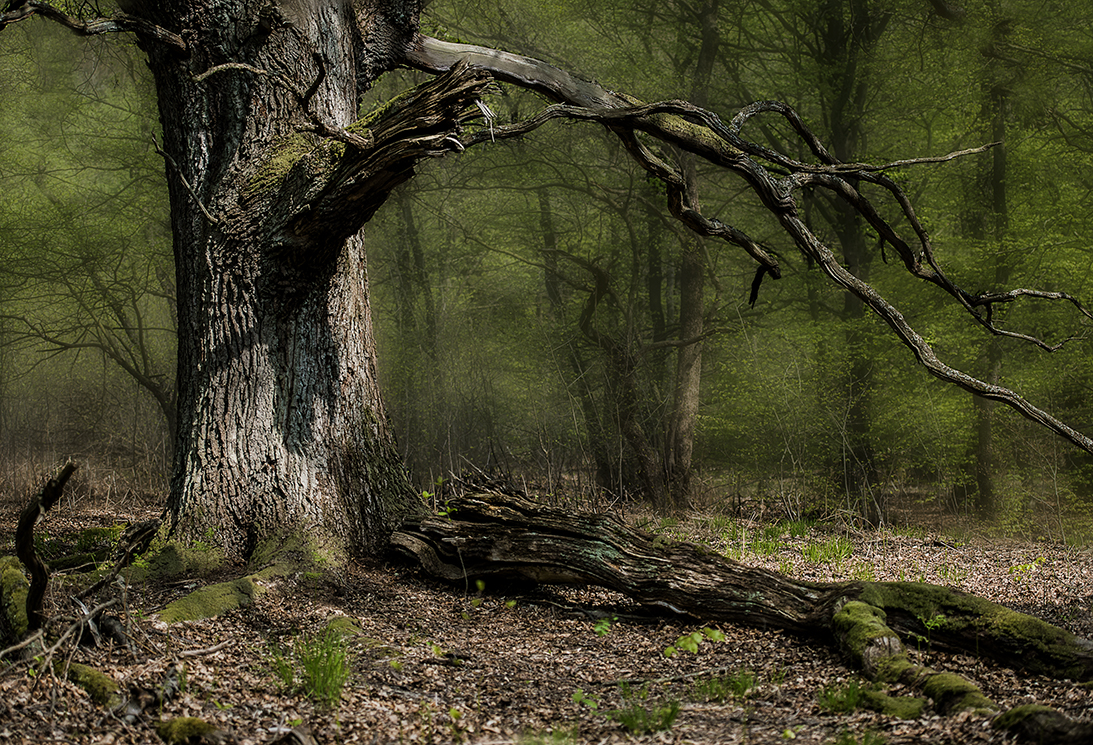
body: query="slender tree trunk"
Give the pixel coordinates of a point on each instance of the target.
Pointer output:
(986, 461)
(849, 31)
(692, 278)
(606, 474)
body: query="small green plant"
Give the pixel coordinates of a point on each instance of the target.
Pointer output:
(282, 668)
(639, 716)
(324, 662)
(934, 623)
(1024, 572)
(767, 546)
(317, 666)
(583, 699)
(863, 573)
(721, 689)
(842, 699)
(690, 642)
(603, 626)
(832, 551)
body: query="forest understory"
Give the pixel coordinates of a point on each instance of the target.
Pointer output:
(426, 662)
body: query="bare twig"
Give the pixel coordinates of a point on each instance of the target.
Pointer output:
(171, 162)
(93, 26)
(208, 650)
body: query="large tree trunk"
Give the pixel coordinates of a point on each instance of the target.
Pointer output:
(280, 423)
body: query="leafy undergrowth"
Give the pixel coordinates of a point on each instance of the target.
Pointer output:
(408, 660)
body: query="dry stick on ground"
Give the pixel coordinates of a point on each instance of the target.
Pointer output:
(488, 536)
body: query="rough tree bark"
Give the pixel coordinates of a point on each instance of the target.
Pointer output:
(496, 537)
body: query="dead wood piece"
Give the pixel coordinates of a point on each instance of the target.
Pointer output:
(1035, 723)
(489, 536)
(134, 541)
(24, 543)
(484, 536)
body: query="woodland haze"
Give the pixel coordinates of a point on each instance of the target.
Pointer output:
(661, 297)
(481, 268)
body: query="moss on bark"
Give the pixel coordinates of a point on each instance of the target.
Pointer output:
(102, 689)
(900, 707)
(13, 600)
(182, 730)
(282, 556)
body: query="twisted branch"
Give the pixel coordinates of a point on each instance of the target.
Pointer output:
(774, 178)
(120, 22)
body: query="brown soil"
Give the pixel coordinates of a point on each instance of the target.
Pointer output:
(440, 664)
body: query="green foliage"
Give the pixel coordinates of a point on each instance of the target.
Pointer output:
(317, 666)
(641, 716)
(583, 699)
(842, 699)
(603, 626)
(691, 642)
(834, 550)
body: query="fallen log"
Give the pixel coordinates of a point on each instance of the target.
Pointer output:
(490, 536)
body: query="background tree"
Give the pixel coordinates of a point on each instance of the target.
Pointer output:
(88, 297)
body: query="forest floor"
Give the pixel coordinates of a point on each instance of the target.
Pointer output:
(433, 663)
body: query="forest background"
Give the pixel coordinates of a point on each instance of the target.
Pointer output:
(533, 299)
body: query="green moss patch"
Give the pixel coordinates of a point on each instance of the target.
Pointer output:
(184, 730)
(102, 689)
(950, 614)
(13, 599)
(952, 694)
(900, 707)
(345, 626)
(285, 556)
(214, 600)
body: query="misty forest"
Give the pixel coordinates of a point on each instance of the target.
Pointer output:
(546, 372)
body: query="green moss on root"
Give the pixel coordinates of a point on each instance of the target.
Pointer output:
(282, 556)
(1008, 719)
(958, 615)
(13, 599)
(183, 730)
(211, 601)
(952, 693)
(102, 689)
(864, 636)
(900, 707)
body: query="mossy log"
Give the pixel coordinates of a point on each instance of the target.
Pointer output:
(488, 536)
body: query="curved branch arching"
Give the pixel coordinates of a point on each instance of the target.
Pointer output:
(702, 133)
